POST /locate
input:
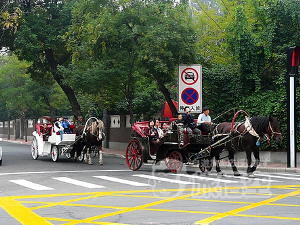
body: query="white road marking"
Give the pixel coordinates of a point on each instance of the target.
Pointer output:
(31, 185)
(288, 178)
(205, 178)
(163, 179)
(62, 171)
(77, 182)
(118, 180)
(289, 174)
(248, 178)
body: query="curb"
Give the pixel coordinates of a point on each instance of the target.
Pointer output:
(17, 142)
(266, 169)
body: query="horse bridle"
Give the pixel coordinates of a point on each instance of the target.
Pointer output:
(272, 131)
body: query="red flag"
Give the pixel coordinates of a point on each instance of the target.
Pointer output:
(167, 110)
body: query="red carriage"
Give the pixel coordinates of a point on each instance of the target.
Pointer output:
(171, 149)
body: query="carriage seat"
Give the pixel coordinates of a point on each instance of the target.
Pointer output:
(40, 126)
(185, 132)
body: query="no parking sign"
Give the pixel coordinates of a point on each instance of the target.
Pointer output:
(190, 87)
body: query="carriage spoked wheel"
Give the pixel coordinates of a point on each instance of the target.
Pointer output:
(34, 148)
(204, 167)
(54, 153)
(174, 162)
(0, 156)
(134, 155)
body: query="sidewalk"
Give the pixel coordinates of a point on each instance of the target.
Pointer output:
(241, 165)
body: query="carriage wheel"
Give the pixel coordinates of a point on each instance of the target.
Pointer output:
(80, 157)
(34, 148)
(134, 155)
(202, 168)
(54, 153)
(174, 161)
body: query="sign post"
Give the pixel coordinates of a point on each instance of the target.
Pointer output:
(293, 54)
(190, 88)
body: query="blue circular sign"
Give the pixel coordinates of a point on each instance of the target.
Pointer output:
(189, 96)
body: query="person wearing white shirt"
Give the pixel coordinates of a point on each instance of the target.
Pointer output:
(204, 121)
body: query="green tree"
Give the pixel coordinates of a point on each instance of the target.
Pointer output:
(39, 40)
(131, 41)
(24, 97)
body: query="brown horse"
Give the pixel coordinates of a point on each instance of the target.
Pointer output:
(244, 137)
(92, 135)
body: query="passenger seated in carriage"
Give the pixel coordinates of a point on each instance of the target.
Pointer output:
(72, 127)
(189, 124)
(204, 121)
(58, 128)
(45, 131)
(152, 133)
(179, 123)
(159, 130)
(165, 128)
(66, 125)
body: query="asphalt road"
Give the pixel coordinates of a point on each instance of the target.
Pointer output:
(45, 192)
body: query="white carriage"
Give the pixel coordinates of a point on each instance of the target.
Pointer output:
(54, 145)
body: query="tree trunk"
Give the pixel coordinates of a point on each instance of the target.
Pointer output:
(106, 120)
(166, 93)
(66, 89)
(130, 102)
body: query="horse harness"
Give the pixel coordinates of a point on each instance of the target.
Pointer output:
(248, 129)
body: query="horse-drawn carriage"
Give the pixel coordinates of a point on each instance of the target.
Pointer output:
(171, 149)
(71, 144)
(226, 138)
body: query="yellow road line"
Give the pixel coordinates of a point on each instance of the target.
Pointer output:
(141, 207)
(14, 207)
(93, 222)
(20, 212)
(235, 211)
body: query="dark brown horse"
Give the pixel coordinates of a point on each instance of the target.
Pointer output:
(244, 137)
(92, 135)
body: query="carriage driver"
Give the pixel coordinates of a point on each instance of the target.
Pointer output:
(189, 123)
(204, 121)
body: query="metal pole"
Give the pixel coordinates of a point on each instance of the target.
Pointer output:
(292, 70)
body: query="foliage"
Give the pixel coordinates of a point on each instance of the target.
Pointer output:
(124, 45)
(25, 97)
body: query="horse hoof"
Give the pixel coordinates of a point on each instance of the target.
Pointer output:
(101, 163)
(220, 173)
(236, 174)
(90, 163)
(250, 175)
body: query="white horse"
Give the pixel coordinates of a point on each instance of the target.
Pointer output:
(91, 136)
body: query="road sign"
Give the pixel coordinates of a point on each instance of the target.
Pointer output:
(189, 76)
(190, 88)
(189, 96)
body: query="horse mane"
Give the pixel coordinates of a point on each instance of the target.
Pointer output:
(260, 124)
(97, 126)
